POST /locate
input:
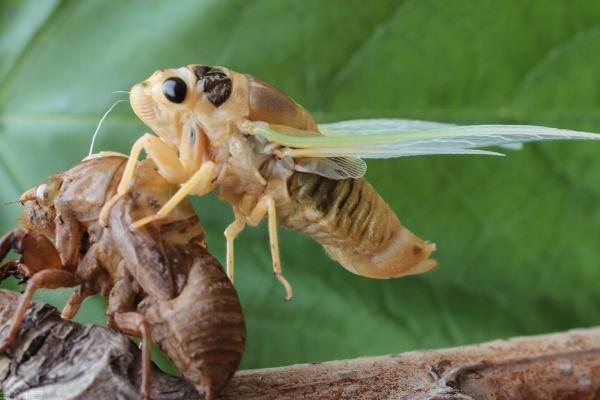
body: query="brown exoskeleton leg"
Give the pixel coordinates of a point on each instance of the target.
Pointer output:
(50, 279)
(40, 262)
(88, 270)
(164, 156)
(122, 296)
(37, 253)
(134, 324)
(74, 302)
(266, 205)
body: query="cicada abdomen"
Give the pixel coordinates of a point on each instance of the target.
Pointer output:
(355, 225)
(202, 329)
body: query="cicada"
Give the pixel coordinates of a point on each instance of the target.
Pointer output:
(161, 283)
(217, 128)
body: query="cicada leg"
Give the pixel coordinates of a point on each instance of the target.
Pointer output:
(165, 158)
(231, 232)
(266, 205)
(200, 183)
(74, 301)
(49, 279)
(133, 323)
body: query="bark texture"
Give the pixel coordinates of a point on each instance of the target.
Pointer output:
(56, 359)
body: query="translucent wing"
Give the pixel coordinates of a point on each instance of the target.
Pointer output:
(392, 125)
(333, 168)
(378, 139)
(378, 126)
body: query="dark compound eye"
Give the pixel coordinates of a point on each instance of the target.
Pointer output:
(215, 84)
(174, 90)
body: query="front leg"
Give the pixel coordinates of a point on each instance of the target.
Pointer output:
(266, 205)
(40, 262)
(37, 253)
(49, 279)
(200, 183)
(165, 158)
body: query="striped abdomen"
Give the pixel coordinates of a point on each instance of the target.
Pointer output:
(355, 225)
(201, 330)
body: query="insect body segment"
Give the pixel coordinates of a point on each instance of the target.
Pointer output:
(219, 129)
(356, 227)
(161, 283)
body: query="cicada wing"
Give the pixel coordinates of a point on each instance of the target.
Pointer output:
(342, 167)
(378, 126)
(391, 125)
(444, 140)
(333, 167)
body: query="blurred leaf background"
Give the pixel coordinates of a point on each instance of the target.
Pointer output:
(517, 236)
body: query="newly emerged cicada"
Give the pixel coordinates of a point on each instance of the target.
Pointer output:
(220, 128)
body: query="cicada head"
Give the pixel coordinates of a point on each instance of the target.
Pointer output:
(173, 101)
(39, 213)
(208, 99)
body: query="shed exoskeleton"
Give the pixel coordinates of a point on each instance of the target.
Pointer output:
(161, 283)
(268, 157)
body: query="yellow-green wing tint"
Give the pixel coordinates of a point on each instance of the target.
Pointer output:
(377, 138)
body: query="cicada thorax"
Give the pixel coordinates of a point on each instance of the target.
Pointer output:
(247, 172)
(268, 104)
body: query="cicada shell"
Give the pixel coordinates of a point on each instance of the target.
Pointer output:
(161, 282)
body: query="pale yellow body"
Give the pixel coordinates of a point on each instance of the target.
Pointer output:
(201, 114)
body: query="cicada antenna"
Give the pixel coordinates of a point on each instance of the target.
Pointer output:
(101, 121)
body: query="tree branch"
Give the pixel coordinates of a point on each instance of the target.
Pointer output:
(56, 359)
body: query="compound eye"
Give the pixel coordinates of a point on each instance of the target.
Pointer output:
(174, 90)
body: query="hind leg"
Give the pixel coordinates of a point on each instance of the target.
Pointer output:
(134, 324)
(232, 232)
(266, 206)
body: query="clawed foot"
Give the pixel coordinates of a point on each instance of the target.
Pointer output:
(286, 285)
(144, 221)
(144, 394)
(6, 343)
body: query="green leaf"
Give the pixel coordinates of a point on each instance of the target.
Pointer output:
(517, 236)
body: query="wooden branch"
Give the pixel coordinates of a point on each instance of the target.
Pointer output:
(56, 359)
